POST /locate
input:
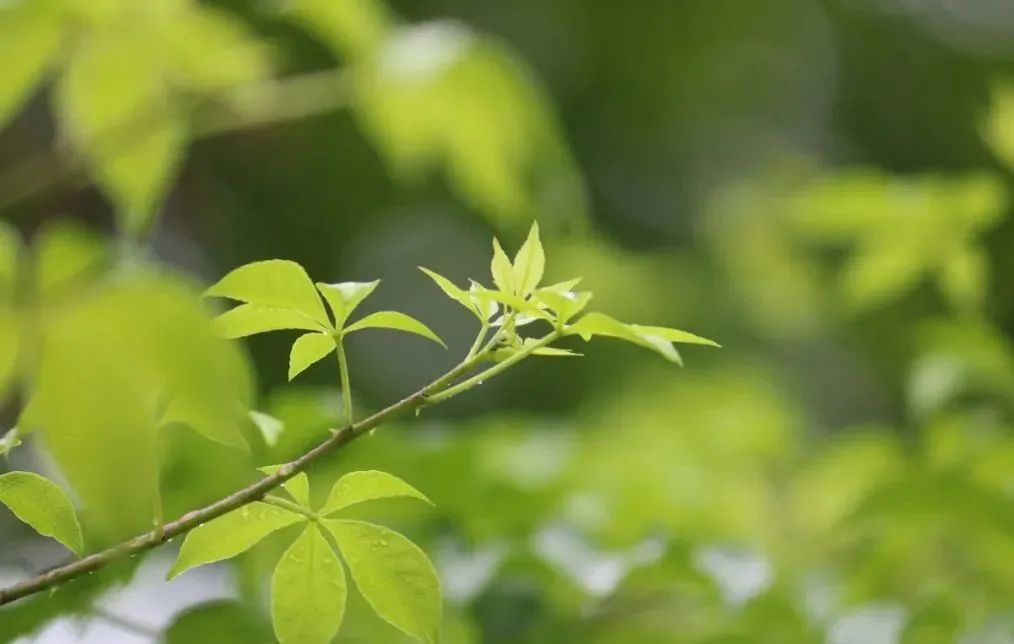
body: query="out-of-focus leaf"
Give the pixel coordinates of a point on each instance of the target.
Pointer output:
(964, 278)
(276, 283)
(142, 341)
(208, 418)
(270, 427)
(222, 622)
(529, 263)
(117, 108)
(10, 259)
(231, 534)
(9, 342)
(43, 505)
(344, 297)
(9, 441)
(298, 486)
(307, 350)
(436, 96)
(308, 591)
(356, 487)
(356, 28)
(30, 35)
(998, 128)
(66, 256)
(396, 321)
(211, 50)
(457, 294)
(393, 574)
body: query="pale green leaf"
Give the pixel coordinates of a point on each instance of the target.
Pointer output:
(9, 441)
(43, 505)
(308, 591)
(485, 306)
(519, 304)
(251, 319)
(270, 427)
(529, 263)
(566, 304)
(344, 297)
(208, 420)
(275, 283)
(117, 109)
(964, 278)
(308, 349)
(298, 486)
(30, 34)
(998, 128)
(393, 575)
(11, 250)
(66, 255)
(231, 534)
(211, 50)
(355, 29)
(458, 294)
(673, 335)
(501, 269)
(396, 321)
(598, 324)
(356, 487)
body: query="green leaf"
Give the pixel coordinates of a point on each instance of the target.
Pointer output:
(11, 251)
(485, 306)
(356, 487)
(598, 324)
(458, 294)
(275, 283)
(355, 29)
(222, 621)
(251, 319)
(519, 304)
(231, 534)
(566, 304)
(308, 591)
(208, 420)
(298, 486)
(270, 427)
(529, 263)
(673, 335)
(43, 505)
(502, 269)
(10, 332)
(211, 50)
(393, 575)
(344, 297)
(308, 349)
(9, 441)
(398, 322)
(116, 107)
(30, 34)
(66, 256)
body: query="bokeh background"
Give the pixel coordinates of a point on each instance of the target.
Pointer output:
(824, 187)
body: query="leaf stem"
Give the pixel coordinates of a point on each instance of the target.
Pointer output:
(478, 340)
(343, 368)
(258, 490)
(290, 506)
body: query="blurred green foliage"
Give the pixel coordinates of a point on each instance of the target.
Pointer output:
(823, 187)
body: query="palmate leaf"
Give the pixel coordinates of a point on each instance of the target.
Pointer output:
(274, 283)
(344, 297)
(307, 350)
(231, 534)
(251, 319)
(566, 304)
(43, 505)
(393, 575)
(308, 591)
(459, 295)
(396, 321)
(501, 269)
(357, 487)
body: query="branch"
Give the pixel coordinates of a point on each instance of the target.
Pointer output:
(249, 494)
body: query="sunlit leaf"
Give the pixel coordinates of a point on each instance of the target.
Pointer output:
(208, 419)
(396, 321)
(298, 486)
(308, 591)
(67, 256)
(501, 269)
(9, 441)
(447, 286)
(9, 341)
(485, 306)
(356, 29)
(30, 34)
(516, 302)
(274, 283)
(270, 427)
(210, 50)
(673, 335)
(344, 297)
(356, 487)
(251, 319)
(231, 534)
(392, 574)
(566, 304)
(116, 107)
(307, 350)
(529, 263)
(43, 505)
(598, 324)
